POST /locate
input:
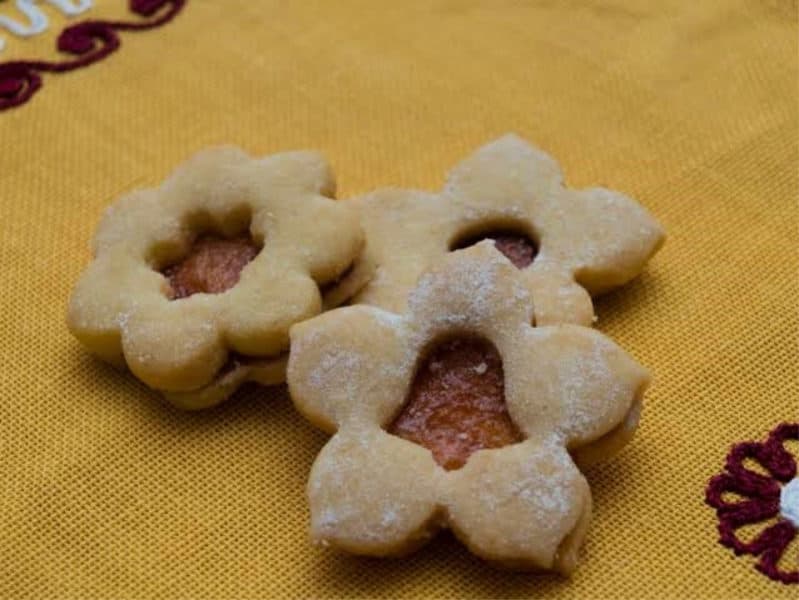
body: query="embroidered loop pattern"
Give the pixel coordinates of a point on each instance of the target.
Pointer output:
(763, 494)
(89, 41)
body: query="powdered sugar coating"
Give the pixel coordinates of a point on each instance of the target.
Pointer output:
(589, 241)
(525, 504)
(350, 364)
(504, 497)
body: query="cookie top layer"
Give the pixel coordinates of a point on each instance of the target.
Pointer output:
(524, 504)
(587, 241)
(124, 309)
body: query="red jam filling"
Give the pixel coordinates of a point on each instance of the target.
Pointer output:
(456, 404)
(212, 266)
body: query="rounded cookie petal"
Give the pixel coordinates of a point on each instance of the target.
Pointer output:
(571, 380)
(324, 236)
(475, 289)
(134, 213)
(524, 506)
(100, 303)
(213, 181)
(258, 312)
(607, 239)
(350, 364)
(303, 170)
(505, 172)
(373, 493)
(174, 346)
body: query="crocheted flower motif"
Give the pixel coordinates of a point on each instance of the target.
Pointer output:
(579, 241)
(124, 310)
(770, 497)
(525, 505)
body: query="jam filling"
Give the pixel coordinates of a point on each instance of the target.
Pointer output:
(456, 404)
(212, 266)
(518, 248)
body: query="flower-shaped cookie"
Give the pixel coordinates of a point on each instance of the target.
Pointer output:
(518, 499)
(579, 242)
(195, 284)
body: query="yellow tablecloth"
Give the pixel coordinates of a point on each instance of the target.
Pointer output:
(691, 107)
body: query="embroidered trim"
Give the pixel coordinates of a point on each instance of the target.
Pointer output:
(766, 497)
(89, 41)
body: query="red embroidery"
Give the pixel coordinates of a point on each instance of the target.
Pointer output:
(762, 502)
(90, 41)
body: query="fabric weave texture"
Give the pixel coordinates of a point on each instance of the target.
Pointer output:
(689, 107)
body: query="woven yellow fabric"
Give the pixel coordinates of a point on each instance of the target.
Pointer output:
(691, 107)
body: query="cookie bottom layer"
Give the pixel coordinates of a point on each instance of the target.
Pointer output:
(238, 371)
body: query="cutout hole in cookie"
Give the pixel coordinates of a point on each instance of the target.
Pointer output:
(456, 403)
(217, 254)
(519, 247)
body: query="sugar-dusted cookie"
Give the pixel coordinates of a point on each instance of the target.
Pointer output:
(567, 243)
(460, 414)
(195, 284)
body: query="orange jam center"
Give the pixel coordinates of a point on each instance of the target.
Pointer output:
(518, 248)
(456, 404)
(212, 266)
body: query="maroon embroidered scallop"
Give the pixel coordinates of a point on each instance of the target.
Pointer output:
(766, 497)
(88, 41)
